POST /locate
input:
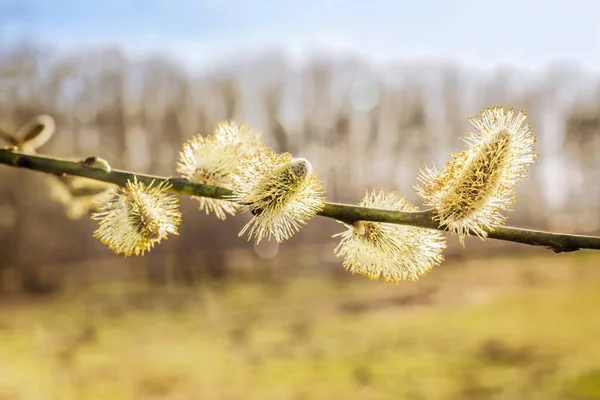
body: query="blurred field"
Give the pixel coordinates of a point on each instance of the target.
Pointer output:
(518, 327)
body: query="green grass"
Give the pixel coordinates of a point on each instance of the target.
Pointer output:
(517, 327)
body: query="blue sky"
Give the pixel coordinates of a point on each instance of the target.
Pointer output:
(482, 33)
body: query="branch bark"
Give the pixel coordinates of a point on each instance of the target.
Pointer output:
(557, 242)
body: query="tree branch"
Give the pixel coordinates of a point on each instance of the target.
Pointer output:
(556, 242)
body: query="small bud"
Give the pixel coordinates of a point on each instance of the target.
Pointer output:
(8, 137)
(389, 252)
(35, 133)
(77, 195)
(280, 191)
(301, 167)
(97, 163)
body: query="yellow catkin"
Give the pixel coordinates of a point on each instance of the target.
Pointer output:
(211, 160)
(470, 192)
(282, 193)
(137, 217)
(389, 252)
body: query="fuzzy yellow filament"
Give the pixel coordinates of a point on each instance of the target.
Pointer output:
(137, 217)
(281, 192)
(470, 192)
(211, 160)
(388, 252)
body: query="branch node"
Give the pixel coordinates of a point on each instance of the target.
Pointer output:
(88, 161)
(21, 162)
(562, 248)
(96, 163)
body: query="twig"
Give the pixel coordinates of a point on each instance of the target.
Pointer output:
(557, 242)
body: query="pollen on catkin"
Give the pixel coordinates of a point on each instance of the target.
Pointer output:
(470, 192)
(211, 160)
(137, 217)
(281, 192)
(389, 252)
(233, 133)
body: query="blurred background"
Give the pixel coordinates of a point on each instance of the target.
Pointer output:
(369, 92)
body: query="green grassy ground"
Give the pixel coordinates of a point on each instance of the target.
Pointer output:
(519, 327)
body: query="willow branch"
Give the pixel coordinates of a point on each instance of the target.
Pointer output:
(557, 242)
